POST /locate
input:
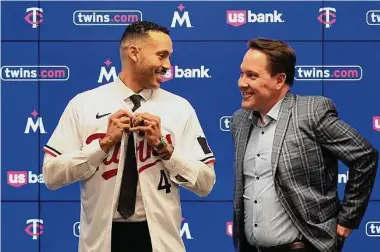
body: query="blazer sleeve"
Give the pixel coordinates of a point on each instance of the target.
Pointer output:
(356, 152)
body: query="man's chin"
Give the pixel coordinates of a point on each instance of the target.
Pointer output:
(247, 105)
(153, 85)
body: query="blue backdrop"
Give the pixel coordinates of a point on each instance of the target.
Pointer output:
(51, 51)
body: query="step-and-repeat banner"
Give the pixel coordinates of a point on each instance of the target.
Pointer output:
(51, 51)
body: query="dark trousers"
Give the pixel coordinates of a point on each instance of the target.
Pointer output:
(130, 237)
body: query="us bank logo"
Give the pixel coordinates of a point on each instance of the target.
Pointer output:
(186, 73)
(376, 123)
(20, 178)
(241, 17)
(229, 226)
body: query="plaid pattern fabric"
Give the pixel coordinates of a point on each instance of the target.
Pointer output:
(309, 140)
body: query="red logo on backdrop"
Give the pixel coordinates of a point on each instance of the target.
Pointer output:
(169, 74)
(229, 228)
(236, 17)
(376, 123)
(17, 178)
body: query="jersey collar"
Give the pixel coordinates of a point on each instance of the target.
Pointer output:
(126, 92)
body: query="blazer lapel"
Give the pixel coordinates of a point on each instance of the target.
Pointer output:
(282, 125)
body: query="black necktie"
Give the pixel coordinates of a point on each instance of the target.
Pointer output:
(127, 197)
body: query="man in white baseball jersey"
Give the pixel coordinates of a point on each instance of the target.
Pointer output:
(131, 144)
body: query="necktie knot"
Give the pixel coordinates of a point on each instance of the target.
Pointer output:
(136, 99)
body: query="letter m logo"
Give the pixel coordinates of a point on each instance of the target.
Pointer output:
(181, 19)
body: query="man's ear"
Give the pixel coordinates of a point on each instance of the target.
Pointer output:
(280, 80)
(133, 52)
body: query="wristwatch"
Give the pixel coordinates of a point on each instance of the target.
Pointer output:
(162, 144)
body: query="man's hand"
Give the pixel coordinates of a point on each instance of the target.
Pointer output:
(342, 231)
(150, 125)
(117, 124)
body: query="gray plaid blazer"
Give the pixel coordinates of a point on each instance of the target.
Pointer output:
(309, 140)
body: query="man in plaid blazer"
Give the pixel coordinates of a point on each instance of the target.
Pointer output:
(287, 149)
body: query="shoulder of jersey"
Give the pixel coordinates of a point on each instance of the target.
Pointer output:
(173, 99)
(94, 94)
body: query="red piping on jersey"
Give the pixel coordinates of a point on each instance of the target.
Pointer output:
(49, 152)
(210, 161)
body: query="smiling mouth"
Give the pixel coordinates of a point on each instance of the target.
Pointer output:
(247, 95)
(160, 74)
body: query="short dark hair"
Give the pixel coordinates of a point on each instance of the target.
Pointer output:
(281, 57)
(140, 29)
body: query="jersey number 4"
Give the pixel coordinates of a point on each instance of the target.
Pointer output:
(164, 182)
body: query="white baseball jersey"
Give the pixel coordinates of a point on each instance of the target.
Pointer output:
(73, 154)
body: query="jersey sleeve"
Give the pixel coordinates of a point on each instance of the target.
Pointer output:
(192, 162)
(66, 159)
(65, 137)
(194, 142)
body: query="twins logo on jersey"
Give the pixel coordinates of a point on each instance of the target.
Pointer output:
(144, 153)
